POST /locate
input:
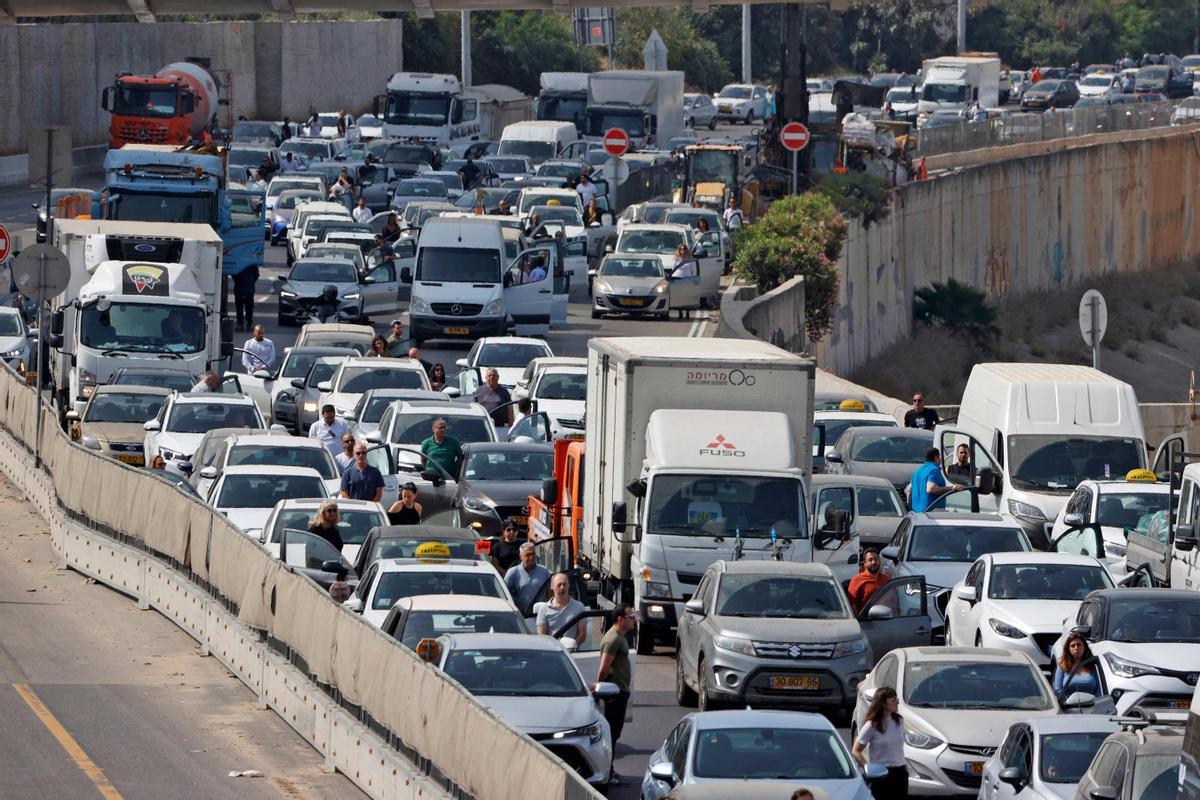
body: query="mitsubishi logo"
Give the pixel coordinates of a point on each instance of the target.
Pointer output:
(720, 442)
(456, 310)
(721, 447)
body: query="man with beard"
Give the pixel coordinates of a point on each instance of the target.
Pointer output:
(867, 582)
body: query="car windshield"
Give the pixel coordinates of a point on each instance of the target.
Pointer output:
(515, 673)
(134, 101)
(280, 185)
(719, 166)
(1057, 464)
(631, 268)
(944, 92)
(375, 406)
(1149, 619)
(333, 271)
(531, 199)
(450, 181)
(788, 754)
(1045, 86)
(1129, 509)
(421, 188)
(203, 417)
(566, 214)
(509, 354)
(1046, 581)
(406, 547)
(167, 207)
(1065, 757)
(782, 596)
(508, 165)
(306, 149)
(317, 458)
(353, 523)
(458, 265)
(534, 151)
(245, 158)
(1155, 776)
(979, 685)
(1097, 80)
(885, 449)
(651, 241)
(962, 542)
(291, 199)
(355, 380)
(325, 250)
(1155, 74)
(562, 386)
(902, 95)
(403, 108)
(736, 92)
(704, 505)
(410, 583)
(692, 218)
(558, 171)
(416, 428)
(254, 130)
(309, 551)
(878, 502)
(123, 407)
(143, 327)
(508, 465)
(264, 491)
(432, 624)
(834, 428)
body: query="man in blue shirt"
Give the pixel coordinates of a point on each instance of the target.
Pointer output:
(928, 485)
(525, 579)
(361, 481)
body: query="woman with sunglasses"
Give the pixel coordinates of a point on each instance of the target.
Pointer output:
(325, 524)
(506, 552)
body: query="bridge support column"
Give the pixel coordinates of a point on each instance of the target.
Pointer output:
(466, 48)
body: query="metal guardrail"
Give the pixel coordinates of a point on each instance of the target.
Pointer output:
(1020, 128)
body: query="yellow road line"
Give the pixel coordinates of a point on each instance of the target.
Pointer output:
(85, 764)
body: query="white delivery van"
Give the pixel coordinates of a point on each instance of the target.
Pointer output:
(463, 285)
(540, 140)
(1035, 431)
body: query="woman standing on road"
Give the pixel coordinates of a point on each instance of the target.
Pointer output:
(378, 348)
(883, 732)
(1069, 676)
(437, 378)
(325, 524)
(406, 510)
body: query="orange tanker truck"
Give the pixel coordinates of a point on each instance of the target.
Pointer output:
(176, 105)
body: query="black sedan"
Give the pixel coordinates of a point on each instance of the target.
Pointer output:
(1171, 82)
(496, 480)
(1053, 93)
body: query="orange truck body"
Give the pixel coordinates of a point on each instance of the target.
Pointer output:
(175, 106)
(565, 516)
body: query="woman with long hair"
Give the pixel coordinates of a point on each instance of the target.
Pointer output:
(1070, 674)
(378, 348)
(437, 378)
(883, 733)
(325, 524)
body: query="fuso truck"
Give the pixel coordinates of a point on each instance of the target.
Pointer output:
(698, 450)
(140, 295)
(646, 105)
(954, 82)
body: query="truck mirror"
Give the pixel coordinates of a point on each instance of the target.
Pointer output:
(226, 350)
(1185, 537)
(550, 491)
(619, 513)
(988, 481)
(106, 99)
(56, 323)
(226, 333)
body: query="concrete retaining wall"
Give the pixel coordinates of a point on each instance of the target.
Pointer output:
(54, 74)
(776, 317)
(1016, 226)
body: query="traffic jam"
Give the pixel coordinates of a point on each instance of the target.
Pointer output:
(848, 603)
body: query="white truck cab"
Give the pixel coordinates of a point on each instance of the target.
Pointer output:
(539, 140)
(430, 107)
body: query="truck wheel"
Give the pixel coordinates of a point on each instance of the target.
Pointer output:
(645, 639)
(684, 695)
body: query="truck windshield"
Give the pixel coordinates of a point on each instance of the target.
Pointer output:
(535, 151)
(1058, 464)
(145, 207)
(143, 328)
(139, 101)
(562, 109)
(601, 120)
(416, 109)
(459, 265)
(712, 166)
(945, 92)
(700, 505)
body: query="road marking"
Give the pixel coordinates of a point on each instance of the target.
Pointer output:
(262, 298)
(85, 764)
(699, 326)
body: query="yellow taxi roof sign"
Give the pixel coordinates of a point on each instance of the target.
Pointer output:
(851, 404)
(429, 649)
(1140, 476)
(433, 550)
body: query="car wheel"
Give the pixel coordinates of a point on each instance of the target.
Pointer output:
(703, 701)
(712, 123)
(948, 637)
(684, 695)
(645, 640)
(596, 314)
(691, 123)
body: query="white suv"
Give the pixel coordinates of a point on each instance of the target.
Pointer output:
(185, 418)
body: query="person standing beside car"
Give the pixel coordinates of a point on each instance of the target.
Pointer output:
(868, 581)
(919, 416)
(615, 668)
(559, 609)
(325, 524)
(361, 481)
(883, 733)
(495, 398)
(1069, 676)
(506, 552)
(928, 485)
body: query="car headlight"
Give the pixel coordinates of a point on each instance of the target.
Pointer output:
(735, 644)
(661, 288)
(592, 732)
(493, 307)
(87, 383)
(353, 296)
(285, 292)
(919, 739)
(603, 287)
(170, 455)
(418, 305)
(476, 503)
(12, 354)
(1019, 509)
(89, 441)
(310, 406)
(850, 648)
(1128, 669)
(286, 397)
(1006, 630)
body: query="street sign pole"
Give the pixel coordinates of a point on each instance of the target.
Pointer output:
(1094, 303)
(1093, 322)
(795, 170)
(39, 367)
(40, 271)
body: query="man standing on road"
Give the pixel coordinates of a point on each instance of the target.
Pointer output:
(443, 450)
(260, 352)
(732, 211)
(495, 398)
(288, 130)
(560, 609)
(615, 668)
(469, 174)
(209, 382)
(397, 342)
(961, 471)
(586, 189)
(867, 582)
(361, 213)
(928, 483)
(506, 552)
(289, 164)
(391, 229)
(329, 429)
(919, 416)
(526, 579)
(361, 481)
(243, 296)
(346, 457)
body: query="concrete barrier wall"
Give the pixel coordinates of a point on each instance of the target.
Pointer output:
(55, 74)
(1016, 226)
(776, 317)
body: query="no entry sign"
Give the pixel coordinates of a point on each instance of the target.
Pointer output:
(616, 142)
(794, 136)
(5, 243)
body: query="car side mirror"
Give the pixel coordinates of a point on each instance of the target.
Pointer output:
(610, 247)
(1013, 776)
(605, 689)
(185, 467)
(462, 362)
(1079, 700)
(891, 553)
(550, 491)
(662, 771)
(1074, 519)
(432, 476)
(375, 437)
(325, 386)
(262, 375)
(208, 472)
(354, 604)
(965, 593)
(1083, 630)
(1103, 793)
(694, 606)
(151, 425)
(880, 613)
(833, 456)
(874, 772)
(452, 392)
(297, 383)
(367, 280)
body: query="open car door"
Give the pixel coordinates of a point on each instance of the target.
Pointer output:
(380, 290)
(981, 482)
(436, 488)
(562, 283)
(529, 291)
(897, 615)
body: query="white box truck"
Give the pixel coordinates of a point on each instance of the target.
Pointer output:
(563, 97)
(141, 294)
(437, 109)
(1035, 431)
(697, 450)
(646, 105)
(952, 83)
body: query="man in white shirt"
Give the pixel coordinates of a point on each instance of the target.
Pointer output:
(260, 352)
(730, 213)
(314, 126)
(329, 430)
(289, 164)
(361, 213)
(586, 189)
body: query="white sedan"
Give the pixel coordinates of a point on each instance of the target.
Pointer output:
(508, 354)
(1100, 84)
(246, 495)
(1116, 505)
(1019, 601)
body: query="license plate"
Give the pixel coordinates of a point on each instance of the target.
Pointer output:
(1183, 704)
(457, 331)
(973, 767)
(135, 460)
(625, 301)
(574, 437)
(802, 682)
(521, 520)
(726, 109)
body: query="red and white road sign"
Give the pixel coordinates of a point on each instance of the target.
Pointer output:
(5, 243)
(794, 136)
(616, 142)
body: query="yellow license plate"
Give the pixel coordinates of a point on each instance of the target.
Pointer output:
(457, 331)
(625, 301)
(1182, 704)
(802, 682)
(135, 460)
(973, 767)
(521, 520)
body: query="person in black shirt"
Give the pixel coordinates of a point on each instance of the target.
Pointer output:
(469, 173)
(406, 510)
(919, 416)
(506, 552)
(325, 524)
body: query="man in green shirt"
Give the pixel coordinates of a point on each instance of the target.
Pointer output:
(397, 342)
(615, 668)
(443, 450)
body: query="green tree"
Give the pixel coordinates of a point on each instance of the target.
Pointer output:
(687, 49)
(897, 35)
(800, 235)
(1047, 32)
(856, 194)
(515, 47)
(960, 309)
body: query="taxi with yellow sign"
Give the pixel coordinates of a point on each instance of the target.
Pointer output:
(391, 579)
(1118, 505)
(837, 418)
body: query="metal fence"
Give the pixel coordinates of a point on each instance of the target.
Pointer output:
(1032, 127)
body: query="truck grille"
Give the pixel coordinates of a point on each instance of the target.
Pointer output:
(125, 447)
(457, 309)
(140, 132)
(971, 750)
(794, 650)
